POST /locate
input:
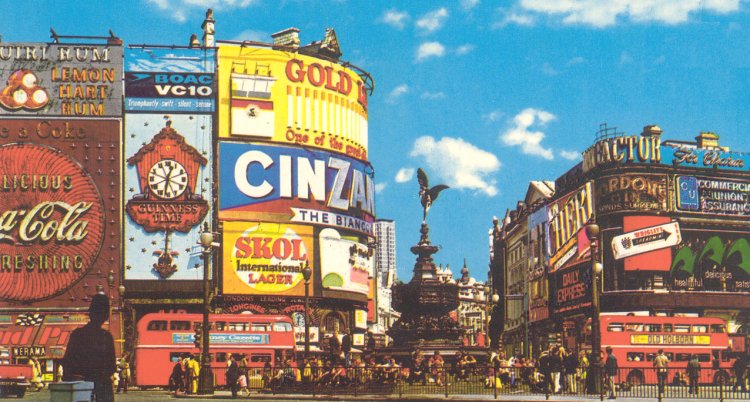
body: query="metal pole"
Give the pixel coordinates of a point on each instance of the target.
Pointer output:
(307, 319)
(205, 379)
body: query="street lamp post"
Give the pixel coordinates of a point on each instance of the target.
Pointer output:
(205, 379)
(306, 274)
(592, 232)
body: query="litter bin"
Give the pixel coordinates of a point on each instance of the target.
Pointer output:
(71, 391)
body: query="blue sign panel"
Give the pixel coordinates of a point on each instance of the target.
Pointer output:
(680, 155)
(291, 184)
(170, 80)
(687, 193)
(224, 339)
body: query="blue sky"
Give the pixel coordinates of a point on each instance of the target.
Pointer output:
(484, 95)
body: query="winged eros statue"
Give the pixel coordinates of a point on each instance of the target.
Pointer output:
(428, 195)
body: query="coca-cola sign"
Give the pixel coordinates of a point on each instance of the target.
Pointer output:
(51, 222)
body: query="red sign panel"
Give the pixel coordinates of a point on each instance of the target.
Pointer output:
(59, 190)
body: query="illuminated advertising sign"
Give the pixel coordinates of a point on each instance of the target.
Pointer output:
(170, 80)
(58, 188)
(60, 80)
(713, 196)
(223, 339)
(681, 155)
(623, 150)
(570, 290)
(646, 239)
(711, 262)
(631, 192)
(288, 184)
(567, 216)
(168, 175)
(266, 258)
(345, 264)
(292, 99)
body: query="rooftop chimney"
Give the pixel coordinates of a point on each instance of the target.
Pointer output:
(709, 140)
(208, 29)
(651, 130)
(194, 41)
(287, 38)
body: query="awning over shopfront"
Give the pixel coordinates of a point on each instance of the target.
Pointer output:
(43, 336)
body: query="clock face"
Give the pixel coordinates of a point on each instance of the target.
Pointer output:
(299, 319)
(167, 179)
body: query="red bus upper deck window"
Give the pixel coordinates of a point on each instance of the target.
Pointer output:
(667, 327)
(652, 328)
(634, 327)
(282, 327)
(157, 325)
(700, 328)
(682, 328)
(615, 327)
(718, 329)
(179, 325)
(260, 327)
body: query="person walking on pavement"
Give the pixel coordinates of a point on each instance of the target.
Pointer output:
(740, 371)
(661, 363)
(90, 355)
(124, 367)
(334, 346)
(610, 372)
(694, 374)
(556, 367)
(233, 374)
(570, 361)
(346, 347)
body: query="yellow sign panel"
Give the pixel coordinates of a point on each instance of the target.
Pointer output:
(266, 258)
(644, 339)
(289, 98)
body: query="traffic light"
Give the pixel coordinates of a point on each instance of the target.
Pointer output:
(198, 338)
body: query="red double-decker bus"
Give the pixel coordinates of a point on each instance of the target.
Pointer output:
(636, 340)
(164, 338)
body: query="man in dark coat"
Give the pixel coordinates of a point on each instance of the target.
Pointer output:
(233, 373)
(694, 374)
(610, 372)
(346, 347)
(90, 354)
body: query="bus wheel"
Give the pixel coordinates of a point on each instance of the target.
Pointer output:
(635, 377)
(721, 377)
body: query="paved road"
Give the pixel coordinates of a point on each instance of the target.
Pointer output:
(153, 395)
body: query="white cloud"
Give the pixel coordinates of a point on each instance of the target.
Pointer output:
(468, 5)
(397, 93)
(513, 17)
(575, 60)
(395, 18)
(598, 13)
(433, 20)
(430, 49)
(529, 141)
(178, 10)
(570, 155)
(547, 69)
(379, 187)
(625, 58)
(252, 35)
(464, 49)
(432, 95)
(404, 174)
(494, 115)
(458, 163)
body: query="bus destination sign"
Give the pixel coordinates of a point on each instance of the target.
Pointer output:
(670, 339)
